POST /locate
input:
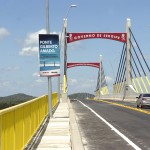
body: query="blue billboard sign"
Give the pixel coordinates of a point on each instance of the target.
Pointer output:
(49, 55)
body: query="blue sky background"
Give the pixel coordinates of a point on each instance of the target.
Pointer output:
(22, 21)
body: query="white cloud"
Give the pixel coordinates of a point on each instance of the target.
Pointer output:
(3, 33)
(8, 69)
(74, 45)
(109, 80)
(36, 74)
(29, 51)
(32, 38)
(86, 83)
(10, 83)
(72, 81)
(147, 56)
(31, 43)
(40, 81)
(5, 84)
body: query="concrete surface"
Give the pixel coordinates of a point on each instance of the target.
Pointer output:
(57, 134)
(76, 139)
(61, 131)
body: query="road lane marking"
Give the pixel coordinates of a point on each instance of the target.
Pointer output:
(129, 107)
(113, 128)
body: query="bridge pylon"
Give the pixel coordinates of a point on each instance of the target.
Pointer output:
(128, 88)
(64, 93)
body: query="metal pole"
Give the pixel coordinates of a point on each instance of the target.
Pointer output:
(49, 78)
(65, 49)
(100, 76)
(58, 88)
(64, 99)
(47, 17)
(50, 96)
(65, 56)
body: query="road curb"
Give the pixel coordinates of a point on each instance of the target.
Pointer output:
(75, 134)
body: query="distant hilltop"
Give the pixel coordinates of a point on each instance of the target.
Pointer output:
(14, 99)
(17, 97)
(81, 96)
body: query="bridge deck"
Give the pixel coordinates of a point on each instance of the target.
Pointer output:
(57, 134)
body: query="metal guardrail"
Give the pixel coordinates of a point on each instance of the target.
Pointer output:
(19, 123)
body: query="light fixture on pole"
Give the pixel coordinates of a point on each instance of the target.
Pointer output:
(69, 10)
(64, 21)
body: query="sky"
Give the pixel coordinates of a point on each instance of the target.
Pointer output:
(22, 21)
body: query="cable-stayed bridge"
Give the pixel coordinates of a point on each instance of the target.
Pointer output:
(19, 124)
(132, 75)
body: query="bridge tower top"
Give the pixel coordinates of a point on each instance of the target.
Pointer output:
(128, 53)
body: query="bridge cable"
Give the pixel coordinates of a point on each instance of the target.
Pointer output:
(120, 68)
(122, 78)
(135, 65)
(134, 75)
(122, 72)
(138, 58)
(98, 79)
(122, 53)
(139, 72)
(139, 49)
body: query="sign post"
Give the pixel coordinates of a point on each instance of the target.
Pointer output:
(49, 59)
(49, 54)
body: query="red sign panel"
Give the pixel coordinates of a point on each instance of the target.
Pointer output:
(69, 65)
(72, 37)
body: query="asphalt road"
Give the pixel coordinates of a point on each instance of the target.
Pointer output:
(104, 125)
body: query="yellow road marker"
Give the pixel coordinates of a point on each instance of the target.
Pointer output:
(128, 107)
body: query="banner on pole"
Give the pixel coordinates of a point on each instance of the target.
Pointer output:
(72, 37)
(93, 64)
(49, 55)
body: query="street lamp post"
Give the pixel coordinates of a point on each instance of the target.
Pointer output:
(65, 49)
(100, 77)
(47, 17)
(49, 78)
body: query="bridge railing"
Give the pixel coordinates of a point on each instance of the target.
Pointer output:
(19, 123)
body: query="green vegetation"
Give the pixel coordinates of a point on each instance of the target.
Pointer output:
(15, 99)
(81, 96)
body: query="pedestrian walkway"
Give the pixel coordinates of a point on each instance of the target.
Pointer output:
(57, 135)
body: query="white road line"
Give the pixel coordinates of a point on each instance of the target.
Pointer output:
(113, 128)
